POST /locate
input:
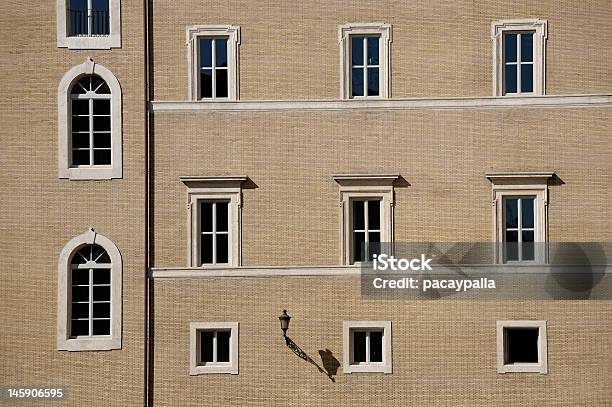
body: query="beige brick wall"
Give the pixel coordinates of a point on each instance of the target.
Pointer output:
(41, 213)
(292, 217)
(290, 50)
(444, 352)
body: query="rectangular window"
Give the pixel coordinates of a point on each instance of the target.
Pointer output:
(214, 347)
(89, 18)
(365, 65)
(214, 232)
(367, 346)
(521, 346)
(365, 227)
(519, 228)
(518, 62)
(213, 53)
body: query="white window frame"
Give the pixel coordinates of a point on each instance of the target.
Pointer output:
(520, 184)
(195, 367)
(64, 120)
(384, 31)
(222, 188)
(64, 40)
(357, 187)
(194, 33)
(106, 342)
(540, 367)
(386, 366)
(540, 29)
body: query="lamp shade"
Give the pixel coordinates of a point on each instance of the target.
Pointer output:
(284, 321)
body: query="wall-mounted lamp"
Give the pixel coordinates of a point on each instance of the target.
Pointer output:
(284, 322)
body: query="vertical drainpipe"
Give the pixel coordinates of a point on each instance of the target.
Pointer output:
(147, 400)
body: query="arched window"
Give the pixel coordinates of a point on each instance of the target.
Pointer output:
(89, 122)
(89, 296)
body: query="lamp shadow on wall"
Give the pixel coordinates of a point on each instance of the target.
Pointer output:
(330, 363)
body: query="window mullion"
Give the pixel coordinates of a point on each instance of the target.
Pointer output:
(214, 233)
(366, 221)
(368, 347)
(215, 347)
(518, 63)
(89, 17)
(90, 305)
(214, 67)
(91, 134)
(365, 66)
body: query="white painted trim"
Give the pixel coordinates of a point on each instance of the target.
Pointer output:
(540, 367)
(194, 348)
(233, 43)
(64, 342)
(94, 42)
(539, 59)
(344, 33)
(450, 103)
(386, 366)
(65, 170)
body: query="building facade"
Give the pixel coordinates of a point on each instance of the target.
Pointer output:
(201, 167)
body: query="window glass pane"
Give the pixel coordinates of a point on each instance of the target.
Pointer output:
(101, 293)
(80, 157)
(374, 237)
(528, 246)
(101, 327)
(357, 81)
(221, 52)
(373, 81)
(81, 107)
(103, 89)
(103, 258)
(102, 140)
(102, 157)
(526, 77)
(78, 17)
(80, 310)
(222, 249)
(522, 345)
(205, 52)
(80, 277)
(527, 212)
(510, 78)
(101, 310)
(223, 346)
(80, 294)
(510, 47)
(96, 82)
(373, 50)
(102, 123)
(374, 215)
(222, 211)
(358, 215)
(101, 5)
(359, 347)
(376, 340)
(206, 216)
(206, 346)
(80, 140)
(511, 212)
(80, 123)
(100, 106)
(79, 328)
(206, 83)
(511, 236)
(101, 276)
(221, 83)
(206, 249)
(78, 5)
(357, 50)
(358, 249)
(511, 245)
(527, 47)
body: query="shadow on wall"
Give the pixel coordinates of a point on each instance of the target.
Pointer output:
(330, 363)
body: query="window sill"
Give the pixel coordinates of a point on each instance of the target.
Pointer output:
(523, 368)
(368, 368)
(90, 42)
(90, 173)
(215, 369)
(89, 344)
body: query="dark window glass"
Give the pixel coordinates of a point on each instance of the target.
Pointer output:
(527, 212)
(206, 216)
(221, 83)
(357, 81)
(104, 89)
(78, 5)
(358, 246)
(521, 345)
(80, 140)
(527, 47)
(100, 5)
(102, 123)
(528, 246)
(81, 107)
(100, 107)
(357, 50)
(102, 157)
(222, 252)
(358, 215)
(376, 345)
(101, 327)
(222, 211)
(374, 237)
(512, 213)
(206, 249)
(510, 78)
(80, 123)
(510, 47)
(80, 294)
(78, 17)
(359, 347)
(511, 246)
(373, 82)
(526, 77)
(101, 310)
(221, 52)
(373, 215)
(80, 310)
(79, 328)
(223, 346)
(511, 236)
(101, 276)
(102, 140)
(206, 346)
(80, 157)
(373, 50)
(205, 52)
(80, 277)
(101, 293)
(206, 83)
